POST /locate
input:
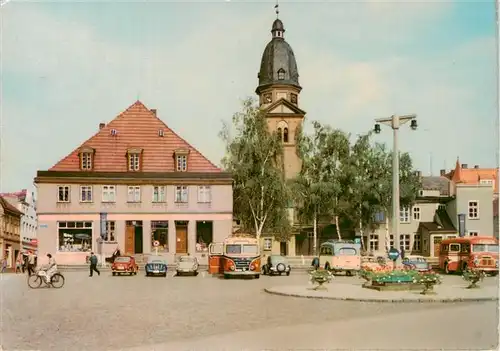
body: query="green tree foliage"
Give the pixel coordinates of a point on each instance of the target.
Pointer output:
(318, 185)
(253, 154)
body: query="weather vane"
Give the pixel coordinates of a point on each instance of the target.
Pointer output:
(276, 8)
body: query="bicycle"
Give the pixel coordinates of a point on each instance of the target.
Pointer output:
(35, 280)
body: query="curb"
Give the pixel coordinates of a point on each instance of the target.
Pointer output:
(400, 300)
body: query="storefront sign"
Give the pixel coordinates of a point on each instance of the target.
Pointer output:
(461, 225)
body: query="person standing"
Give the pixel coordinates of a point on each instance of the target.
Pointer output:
(31, 263)
(93, 265)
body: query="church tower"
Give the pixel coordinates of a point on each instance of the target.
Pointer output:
(278, 92)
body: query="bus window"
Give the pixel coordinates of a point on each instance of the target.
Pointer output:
(485, 248)
(346, 251)
(233, 249)
(466, 248)
(454, 247)
(326, 250)
(444, 248)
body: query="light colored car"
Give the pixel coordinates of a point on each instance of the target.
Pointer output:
(187, 265)
(276, 264)
(418, 263)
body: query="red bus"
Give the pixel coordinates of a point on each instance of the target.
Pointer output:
(458, 254)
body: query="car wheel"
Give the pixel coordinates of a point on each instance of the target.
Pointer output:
(280, 273)
(195, 273)
(177, 274)
(348, 273)
(226, 276)
(113, 273)
(147, 274)
(257, 276)
(288, 273)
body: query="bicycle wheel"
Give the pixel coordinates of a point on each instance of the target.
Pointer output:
(57, 281)
(34, 281)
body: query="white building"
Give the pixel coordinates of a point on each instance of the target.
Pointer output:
(24, 201)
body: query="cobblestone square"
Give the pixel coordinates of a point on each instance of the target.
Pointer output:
(207, 313)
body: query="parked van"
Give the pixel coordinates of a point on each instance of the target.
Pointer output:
(340, 256)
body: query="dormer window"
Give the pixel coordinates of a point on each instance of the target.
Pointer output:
(181, 160)
(281, 74)
(86, 159)
(134, 160)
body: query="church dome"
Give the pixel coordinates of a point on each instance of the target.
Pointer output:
(278, 64)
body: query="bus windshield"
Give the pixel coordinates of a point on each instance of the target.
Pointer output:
(241, 249)
(485, 248)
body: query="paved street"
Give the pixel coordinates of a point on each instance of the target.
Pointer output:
(197, 313)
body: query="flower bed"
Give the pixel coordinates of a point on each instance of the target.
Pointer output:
(388, 279)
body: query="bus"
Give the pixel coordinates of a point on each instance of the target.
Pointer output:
(340, 256)
(236, 256)
(458, 254)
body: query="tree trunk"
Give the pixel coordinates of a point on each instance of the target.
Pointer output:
(337, 227)
(362, 237)
(315, 234)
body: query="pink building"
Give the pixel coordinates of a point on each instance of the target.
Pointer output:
(137, 185)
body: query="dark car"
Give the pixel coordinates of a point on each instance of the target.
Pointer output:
(418, 263)
(124, 265)
(156, 266)
(276, 264)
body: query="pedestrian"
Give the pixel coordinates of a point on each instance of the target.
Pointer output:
(19, 262)
(4, 264)
(93, 264)
(31, 263)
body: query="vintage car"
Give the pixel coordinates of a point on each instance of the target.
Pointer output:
(276, 264)
(418, 263)
(156, 266)
(187, 265)
(124, 265)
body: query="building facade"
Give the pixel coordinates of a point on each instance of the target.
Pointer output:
(10, 226)
(138, 186)
(24, 201)
(434, 217)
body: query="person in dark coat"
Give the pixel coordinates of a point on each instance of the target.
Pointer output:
(93, 264)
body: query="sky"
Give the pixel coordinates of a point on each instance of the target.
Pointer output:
(67, 66)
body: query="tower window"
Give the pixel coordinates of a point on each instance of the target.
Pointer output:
(293, 98)
(285, 135)
(281, 74)
(280, 135)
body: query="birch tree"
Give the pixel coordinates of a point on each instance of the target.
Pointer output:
(253, 155)
(318, 186)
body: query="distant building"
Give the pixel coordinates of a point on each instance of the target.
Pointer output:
(434, 217)
(10, 223)
(141, 186)
(24, 201)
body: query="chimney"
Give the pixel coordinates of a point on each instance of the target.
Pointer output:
(442, 172)
(101, 125)
(154, 111)
(464, 166)
(476, 167)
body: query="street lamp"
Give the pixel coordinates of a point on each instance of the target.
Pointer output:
(395, 122)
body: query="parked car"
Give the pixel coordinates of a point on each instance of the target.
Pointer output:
(124, 264)
(187, 265)
(156, 266)
(418, 263)
(276, 264)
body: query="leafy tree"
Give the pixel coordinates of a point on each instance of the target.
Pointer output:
(368, 182)
(318, 185)
(253, 155)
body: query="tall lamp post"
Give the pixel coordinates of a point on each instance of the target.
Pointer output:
(395, 122)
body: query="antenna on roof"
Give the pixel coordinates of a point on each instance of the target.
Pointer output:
(277, 9)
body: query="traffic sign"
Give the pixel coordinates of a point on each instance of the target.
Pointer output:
(393, 254)
(156, 243)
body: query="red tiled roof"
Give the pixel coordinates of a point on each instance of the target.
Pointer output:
(137, 127)
(8, 207)
(473, 175)
(20, 195)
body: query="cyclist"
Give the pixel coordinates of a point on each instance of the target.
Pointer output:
(51, 268)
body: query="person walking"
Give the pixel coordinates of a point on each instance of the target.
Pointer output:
(93, 265)
(31, 263)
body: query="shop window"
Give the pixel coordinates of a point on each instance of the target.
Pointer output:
(204, 235)
(159, 234)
